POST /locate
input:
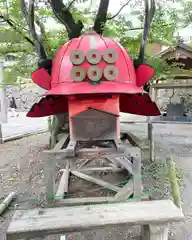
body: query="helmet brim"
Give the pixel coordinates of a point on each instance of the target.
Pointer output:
(139, 104)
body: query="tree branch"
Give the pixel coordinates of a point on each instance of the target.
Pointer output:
(114, 16)
(24, 10)
(101, 17)
(64, 16)
(149, 13)
(12, 24)
(70, 4)
(26, 16)
(31, 21)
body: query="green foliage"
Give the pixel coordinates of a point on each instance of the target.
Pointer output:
(164, 70)
(157, 173)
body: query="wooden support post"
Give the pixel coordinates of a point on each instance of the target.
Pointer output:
(63, 185)
(3, 103)
(173, 181)
(49, 174)
(145, 232)
(137, 183)
(1, 135)
(154, 92)
(155, 232)
(151, 142)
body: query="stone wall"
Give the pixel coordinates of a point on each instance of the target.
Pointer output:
(24, 97)
(165, 96)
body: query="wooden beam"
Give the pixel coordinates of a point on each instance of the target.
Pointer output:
(89, 200)
(137, 182)
(96, 181)
(171, 85)
(82, 201)
(151, 142)
(124, 193)
(49, 175)
(63, 184)
(83, 151)
(61, 142)
(47, 221)
(5, 203)
(135, 141)
(100, 169)
(171, 122)
(125, 163)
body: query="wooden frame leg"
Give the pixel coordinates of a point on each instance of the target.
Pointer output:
(63, 185)
(49, 174)
(151, 142)
(137, 182)
(155, 232)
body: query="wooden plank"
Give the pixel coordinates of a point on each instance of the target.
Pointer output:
(47, 221)
(125, 192)
(119, 145)
(96, 181)
(71, 148)
(151, 142)
(125, 163)
(5, 203)
(1, 135)
(82, 201)
(3, 100)
(171, 122)
(61, 142)
(135, 141)
(49, 175)
(137, 182)
(171, 85)
(83, 151)
(100, 169)
(84, 163)
(63, 184)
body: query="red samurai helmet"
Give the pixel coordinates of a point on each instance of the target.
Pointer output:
(95, 67)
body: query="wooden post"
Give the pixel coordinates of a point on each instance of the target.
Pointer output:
(137, 183)
(151, 142)
(63, 185)
(49, 175)
(153, 93)
(173, 181)
(3, 103)
(160, 233)
(1, 135)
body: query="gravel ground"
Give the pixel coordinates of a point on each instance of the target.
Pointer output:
(21, 170)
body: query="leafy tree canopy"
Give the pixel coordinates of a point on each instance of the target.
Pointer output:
(17, 37)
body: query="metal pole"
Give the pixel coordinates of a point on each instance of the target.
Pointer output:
(3, 103)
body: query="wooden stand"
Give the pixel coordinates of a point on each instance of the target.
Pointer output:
(118, 160)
